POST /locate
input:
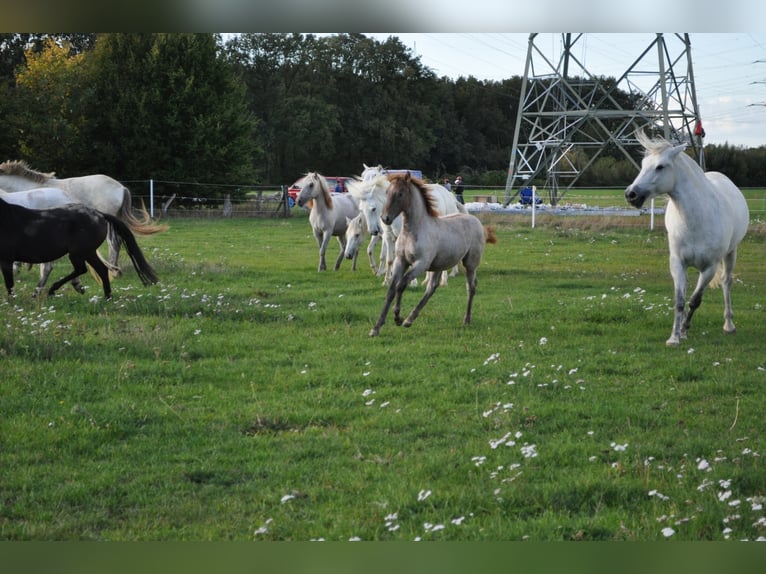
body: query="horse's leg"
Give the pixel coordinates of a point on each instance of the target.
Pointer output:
(45, 271)
(397, 275)
(678, 272)
(431, 285)
(411, 275)
(102, 271)
(728, 271)
(341, 255)
(371, 251)
(695, 300)
(114, 241)
(323, 240)
(78, 268)
(7, 269)
(395, 290)
(470, 285)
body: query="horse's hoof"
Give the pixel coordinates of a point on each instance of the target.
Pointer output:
(398, 321)
(407, 324)
(374, 333)
(672, 342)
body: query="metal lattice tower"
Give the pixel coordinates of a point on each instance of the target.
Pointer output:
(568, 117)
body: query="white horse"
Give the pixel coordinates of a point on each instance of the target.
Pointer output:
(429, 242)
(329, 214)
(98, 191)
(706, 218)
(371, 195)
(356, 233)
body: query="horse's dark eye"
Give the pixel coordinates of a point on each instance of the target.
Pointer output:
(660, 167)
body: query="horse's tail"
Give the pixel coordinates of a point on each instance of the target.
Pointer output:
(144, 270)
(143, 226)
(718, 277)
(114, 271)
(489, 234)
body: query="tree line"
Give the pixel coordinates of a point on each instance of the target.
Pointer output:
(264, 108)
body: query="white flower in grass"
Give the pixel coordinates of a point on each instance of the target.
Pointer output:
(286, 498)
(423, 494)
(667, 532)
(264, 528)
(529, 450)
(724, 495)
(543, 340)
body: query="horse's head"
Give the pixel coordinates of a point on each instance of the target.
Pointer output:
(371, 172)
(657, 175)
(403, 192)
(313, 186)
(355, 232)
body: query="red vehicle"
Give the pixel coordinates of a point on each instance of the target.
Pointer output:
(332, 183)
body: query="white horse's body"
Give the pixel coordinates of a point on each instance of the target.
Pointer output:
(706, 218)
(38, 198)
(371, 195)
(329, 215)
(428, 242)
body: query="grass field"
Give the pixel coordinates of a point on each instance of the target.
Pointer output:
(242, 399)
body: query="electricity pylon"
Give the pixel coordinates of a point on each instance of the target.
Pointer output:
(568, 117)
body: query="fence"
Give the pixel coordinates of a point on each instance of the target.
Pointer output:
(185, 199)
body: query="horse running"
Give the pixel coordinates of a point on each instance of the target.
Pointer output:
(43, 198)
(706, 218)
(371, 196)
(98, 191)
(37, 236)
(329, 214)
(429, 242)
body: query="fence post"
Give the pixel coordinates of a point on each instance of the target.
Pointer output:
(151, 198)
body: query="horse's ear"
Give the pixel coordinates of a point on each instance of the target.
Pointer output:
(678, 149)
(407, 177)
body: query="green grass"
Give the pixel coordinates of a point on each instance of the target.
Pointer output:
(242, 399)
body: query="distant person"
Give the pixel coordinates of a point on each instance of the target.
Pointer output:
(447, 184)
(459, 189)
(339, 185)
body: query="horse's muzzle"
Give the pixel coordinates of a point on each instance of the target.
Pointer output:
(635, 197)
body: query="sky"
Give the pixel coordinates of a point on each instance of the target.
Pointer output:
(729, 69)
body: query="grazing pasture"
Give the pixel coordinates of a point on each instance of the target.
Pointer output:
(241, 398)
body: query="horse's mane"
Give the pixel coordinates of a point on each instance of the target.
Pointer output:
(405, 178)
(652, 145)
(322, 182)
(21, 168)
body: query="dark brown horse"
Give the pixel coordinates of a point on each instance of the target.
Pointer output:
(41, 235)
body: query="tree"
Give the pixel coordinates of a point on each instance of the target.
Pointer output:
(50, 122)
(169, 106)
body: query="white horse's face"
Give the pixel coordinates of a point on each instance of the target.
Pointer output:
(369, 208)
(310, 189)
(354, 236)
(657, 176)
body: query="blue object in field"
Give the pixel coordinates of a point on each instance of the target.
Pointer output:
(413, 172)
(526, 194)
